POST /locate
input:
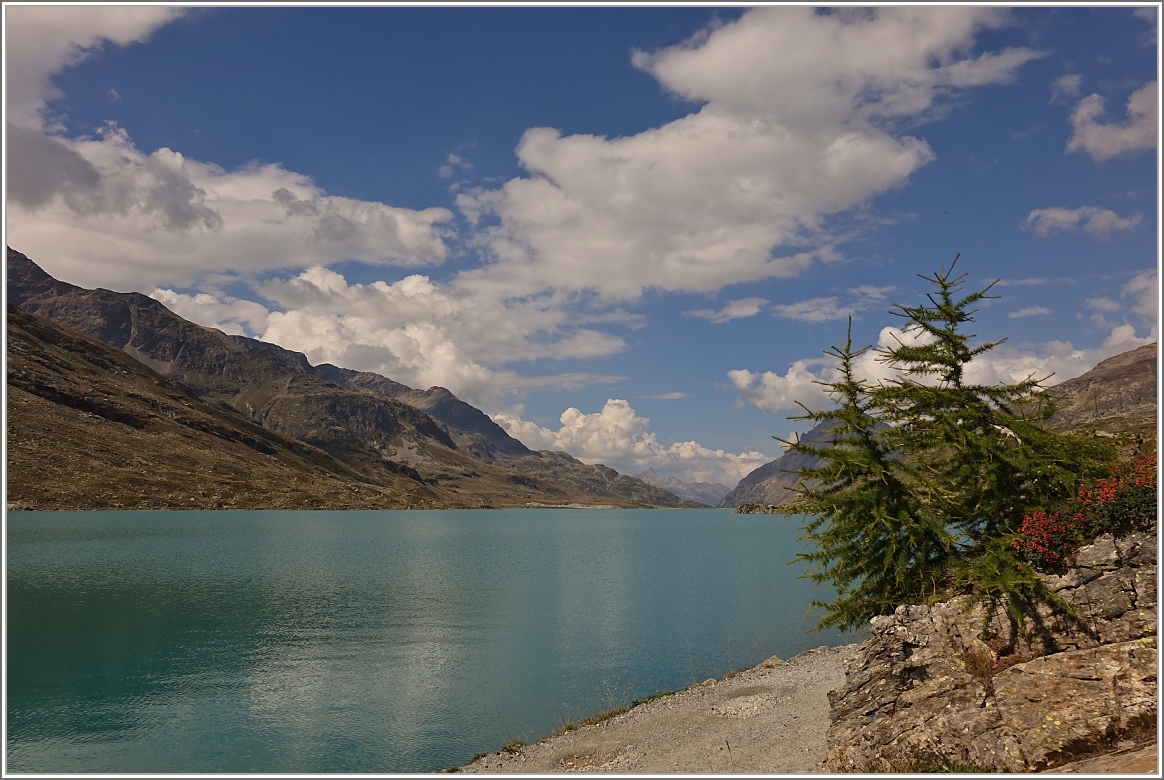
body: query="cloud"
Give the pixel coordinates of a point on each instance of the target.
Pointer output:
(618, 437)
(1149, 16)
(1092, 219)
(872, 292)
(230, 315)
(452, 164)
(813, 310)
(100, 211)
(801, 384)
(1139, 298)
(796, 124)
(734, 310)
(1068, 86)
(1103, 140)
(1029, 282)
(665, 396)
(42, 40)
(1103, 304)
(831, 308)
(773, 393)
(1030, 311)
(107, 213)
(422, 332)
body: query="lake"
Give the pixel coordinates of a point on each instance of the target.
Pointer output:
(320, 642)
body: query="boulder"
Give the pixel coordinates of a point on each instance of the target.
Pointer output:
(951, 684)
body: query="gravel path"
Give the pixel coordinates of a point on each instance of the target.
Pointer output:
(771, 718)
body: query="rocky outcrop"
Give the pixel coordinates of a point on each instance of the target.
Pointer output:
(946, 684)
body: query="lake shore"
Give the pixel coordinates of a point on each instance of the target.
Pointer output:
(771, 718)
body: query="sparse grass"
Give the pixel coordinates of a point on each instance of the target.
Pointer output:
(513, 745)
(1140, 730)
(606, 714)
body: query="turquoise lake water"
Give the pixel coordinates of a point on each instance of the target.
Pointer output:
(320, 642)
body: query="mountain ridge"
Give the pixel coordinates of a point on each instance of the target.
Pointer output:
(356, 420)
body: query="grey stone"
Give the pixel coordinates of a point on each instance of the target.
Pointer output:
(927, 682)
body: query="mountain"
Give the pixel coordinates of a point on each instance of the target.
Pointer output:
(90, 427)
(704, 492)
(1117, 397)
(770, 484)
(374, 426)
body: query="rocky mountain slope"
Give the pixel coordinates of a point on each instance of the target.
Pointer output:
(374, 426)
(1116, 398)
(709, 493)
(89, 427)
(771, 484)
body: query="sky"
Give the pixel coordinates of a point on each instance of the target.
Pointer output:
(626, 233)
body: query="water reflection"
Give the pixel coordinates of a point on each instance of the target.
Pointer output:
(368, 641)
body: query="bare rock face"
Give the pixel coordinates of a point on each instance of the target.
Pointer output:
(943, 683)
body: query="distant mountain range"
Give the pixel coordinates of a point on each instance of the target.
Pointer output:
(1117, 397)
(203, 419)
(709, 493)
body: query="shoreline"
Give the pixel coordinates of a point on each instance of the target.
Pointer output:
(769, 718)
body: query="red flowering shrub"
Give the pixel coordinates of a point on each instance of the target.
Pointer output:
(1117, 504)
(1047, 538)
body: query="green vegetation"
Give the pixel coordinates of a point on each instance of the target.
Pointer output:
(927, 477)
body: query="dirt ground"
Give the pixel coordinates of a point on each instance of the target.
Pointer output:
(771, 718)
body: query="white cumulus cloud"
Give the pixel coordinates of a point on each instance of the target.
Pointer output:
(231, 315)
(796, 125)
(97, 210)
(163, 218)
(422, 332)
(1103, 140)
(618, 437)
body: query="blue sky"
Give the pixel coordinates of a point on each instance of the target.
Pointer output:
(627, 233)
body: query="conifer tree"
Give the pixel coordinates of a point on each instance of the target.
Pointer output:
(872, 541)
(924, 476)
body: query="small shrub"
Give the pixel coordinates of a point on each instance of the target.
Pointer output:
(928, 765)
(1044, 540)
(1115, 504)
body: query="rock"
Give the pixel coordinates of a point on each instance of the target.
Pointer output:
(945, 683)
(1061, 704)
